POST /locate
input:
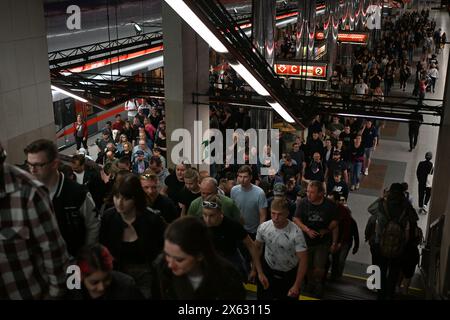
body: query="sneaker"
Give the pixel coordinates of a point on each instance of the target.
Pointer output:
(425, 208)
(352, 188)
(366, 172)
(357, 186)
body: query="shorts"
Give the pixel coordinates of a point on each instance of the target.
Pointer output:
(368, 152)
(318, 256)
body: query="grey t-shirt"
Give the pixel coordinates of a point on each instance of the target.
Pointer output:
(249, 203)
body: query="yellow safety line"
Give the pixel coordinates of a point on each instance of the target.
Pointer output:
(252, 288)
(365, 279)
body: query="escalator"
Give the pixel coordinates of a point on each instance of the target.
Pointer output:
(237, 48)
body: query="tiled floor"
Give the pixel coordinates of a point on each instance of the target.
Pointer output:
(392, 161)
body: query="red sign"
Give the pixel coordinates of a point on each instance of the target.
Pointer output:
(312, 71)
(352, 37)
(347, 37)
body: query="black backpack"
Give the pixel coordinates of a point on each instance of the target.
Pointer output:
(393, 237)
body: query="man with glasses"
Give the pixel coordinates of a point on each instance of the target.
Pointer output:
(227, 234)
(34, 255)
(74, 207)
(209, 187)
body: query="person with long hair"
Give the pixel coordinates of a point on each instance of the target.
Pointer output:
(190, 268)
(132, 233)
(80, 132)
(98, 279)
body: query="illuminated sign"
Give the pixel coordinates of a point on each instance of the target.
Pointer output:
(293, 70)
(347, 37)
(358, 38)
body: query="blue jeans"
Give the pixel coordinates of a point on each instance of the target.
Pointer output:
(356, 170)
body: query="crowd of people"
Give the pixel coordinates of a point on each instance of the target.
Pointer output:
(153, 236)
(137, 230)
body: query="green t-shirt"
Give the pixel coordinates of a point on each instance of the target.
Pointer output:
(229, 208)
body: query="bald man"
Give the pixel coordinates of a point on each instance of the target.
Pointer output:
(208, 187)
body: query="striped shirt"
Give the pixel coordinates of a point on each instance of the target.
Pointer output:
(33, 255)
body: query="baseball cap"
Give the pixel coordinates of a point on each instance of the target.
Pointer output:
(140, 153)
(279, 189)
(106, 131)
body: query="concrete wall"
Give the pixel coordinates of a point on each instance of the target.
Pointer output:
(25, 98)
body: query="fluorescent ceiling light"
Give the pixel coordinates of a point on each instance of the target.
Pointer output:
(191, 18)
(137, 28)
(67, 93)
(251, 80)
(281, 111)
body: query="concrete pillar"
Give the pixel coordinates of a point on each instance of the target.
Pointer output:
(440, 194)
(25, 96)
(186, 71)
(264, 14)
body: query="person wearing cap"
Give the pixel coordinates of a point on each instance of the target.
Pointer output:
(337, 185)
(142, 145)
(280, 192)
(424, 175)
(336, 164)
(140, 164)
(227, 234)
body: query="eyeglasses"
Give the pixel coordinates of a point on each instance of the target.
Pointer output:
(37, 165)
(210, 205)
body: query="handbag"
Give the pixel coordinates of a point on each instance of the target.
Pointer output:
(430, 179)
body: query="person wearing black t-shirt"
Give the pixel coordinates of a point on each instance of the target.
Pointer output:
(175, 183)
(346, 136)
(227, 234)
(158, 204)
(315, 171)
(289, 169)
(337, 185)
(314, 145)
(336, 164)
(191, 190)
(316, 216)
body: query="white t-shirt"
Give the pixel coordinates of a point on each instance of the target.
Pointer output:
(433, 72)
(131, 107)
(281, 245)
(195, 281)
(360, 88)
(80, 177)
